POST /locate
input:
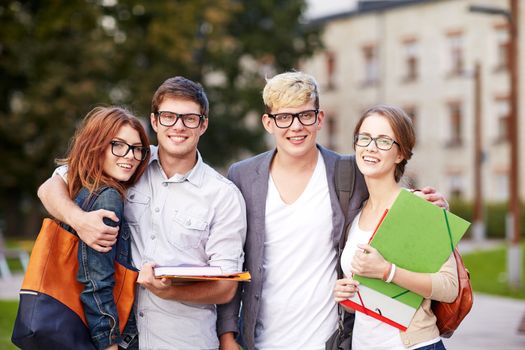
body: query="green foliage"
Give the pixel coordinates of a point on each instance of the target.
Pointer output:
(223, 44)
(488, 273)
(8, 311)
(59, 58)
(494, 216)
(54, 66)
(14, 265)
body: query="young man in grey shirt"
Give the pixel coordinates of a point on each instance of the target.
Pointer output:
(180, 212)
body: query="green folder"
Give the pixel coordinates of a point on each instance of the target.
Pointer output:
(414, 235)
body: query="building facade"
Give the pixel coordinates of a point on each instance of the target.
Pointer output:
(421, 55)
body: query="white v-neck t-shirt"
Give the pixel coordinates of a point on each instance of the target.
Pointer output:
(297, 308)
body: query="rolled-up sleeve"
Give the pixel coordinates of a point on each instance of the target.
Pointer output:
(228, 230)
(445, 282)
(228, 314)
(62, 172)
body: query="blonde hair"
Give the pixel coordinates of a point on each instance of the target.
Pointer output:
(290, 89)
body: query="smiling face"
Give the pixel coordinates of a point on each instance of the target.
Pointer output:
(373, 162)
(297, 140)
(122, 168)
(178, 142)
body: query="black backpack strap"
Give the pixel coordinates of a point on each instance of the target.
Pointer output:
(344, 186)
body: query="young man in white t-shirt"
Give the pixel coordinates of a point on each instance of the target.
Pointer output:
(294, 226)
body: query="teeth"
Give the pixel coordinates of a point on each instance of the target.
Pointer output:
(297, 138)
(370, 159)
(178, 138)
(125, 166)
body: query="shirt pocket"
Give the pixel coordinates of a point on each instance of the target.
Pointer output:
(135, 206)
(189, 230)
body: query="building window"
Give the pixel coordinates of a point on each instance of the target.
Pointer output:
(501, 182)
(502, 39)
(371, 61)
(455, 124)
(330, 70)
(412, 113)
(331, 124)
(455, 184)
(410, 48)
(502, 116)
(455, 47)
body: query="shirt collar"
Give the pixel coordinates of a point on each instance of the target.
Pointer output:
(195, 176)
(153, 154)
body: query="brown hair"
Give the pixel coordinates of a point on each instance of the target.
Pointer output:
(184, 89)
(86, 153)
(403, 129)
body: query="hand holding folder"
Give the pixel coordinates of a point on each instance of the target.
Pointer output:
(417, 236)
(188, 273)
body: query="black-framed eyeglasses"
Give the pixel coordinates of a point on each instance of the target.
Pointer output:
(121, 149)
(383, 143)
(189, 120)
(285, 120)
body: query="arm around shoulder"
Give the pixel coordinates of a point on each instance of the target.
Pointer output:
(53, 194)
(89, 226)
(111, 200)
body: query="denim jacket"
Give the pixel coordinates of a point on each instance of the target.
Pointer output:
(96, 273)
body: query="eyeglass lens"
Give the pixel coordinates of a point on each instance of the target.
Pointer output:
(121, 149)
(285, 120)
(383, 143)
(189, 120)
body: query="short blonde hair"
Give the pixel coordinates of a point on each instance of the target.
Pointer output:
(290, 89)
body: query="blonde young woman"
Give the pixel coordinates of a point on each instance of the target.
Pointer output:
(383, 141)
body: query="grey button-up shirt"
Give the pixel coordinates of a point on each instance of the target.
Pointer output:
(197, 218)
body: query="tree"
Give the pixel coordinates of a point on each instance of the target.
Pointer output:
(229, 46)
(60, 58)
(53, 68)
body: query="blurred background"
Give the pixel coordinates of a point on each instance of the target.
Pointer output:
(456, 66)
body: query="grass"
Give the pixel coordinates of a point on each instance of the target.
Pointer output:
(7, 318)
(488, 272)
(14, 263)
(8, 308)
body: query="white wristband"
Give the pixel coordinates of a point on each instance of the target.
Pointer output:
(392, 273)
